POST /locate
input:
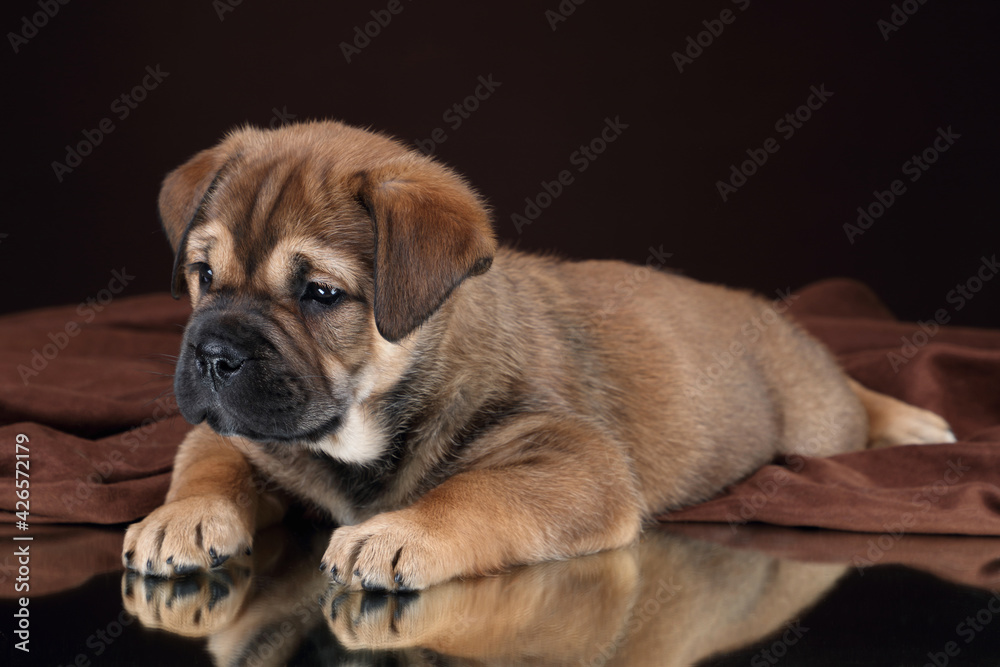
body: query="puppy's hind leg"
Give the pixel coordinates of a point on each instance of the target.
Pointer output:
(893, 422)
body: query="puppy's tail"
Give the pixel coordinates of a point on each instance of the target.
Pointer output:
(893, 422)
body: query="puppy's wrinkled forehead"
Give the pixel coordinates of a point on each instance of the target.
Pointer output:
(270, 219)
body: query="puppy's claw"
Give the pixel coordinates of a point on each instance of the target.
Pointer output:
(335, 606)
(216, 559)
(371, 587)
(184, 570)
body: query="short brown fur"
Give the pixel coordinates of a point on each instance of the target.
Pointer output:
(454, 419)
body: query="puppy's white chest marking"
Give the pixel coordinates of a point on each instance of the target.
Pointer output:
(360, 439)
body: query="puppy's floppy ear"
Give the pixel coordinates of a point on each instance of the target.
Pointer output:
(183, 191)
(431, 233)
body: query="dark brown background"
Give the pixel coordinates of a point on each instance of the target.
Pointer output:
(654, 186)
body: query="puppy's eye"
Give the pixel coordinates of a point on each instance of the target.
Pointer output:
(322, 294)
(205, 274)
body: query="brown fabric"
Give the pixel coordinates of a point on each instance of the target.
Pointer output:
(99, 414)
(103, 426)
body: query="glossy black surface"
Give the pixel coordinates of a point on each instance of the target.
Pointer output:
(687, 594)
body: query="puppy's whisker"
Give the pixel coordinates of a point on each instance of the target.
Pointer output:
(162, 355)
(159, 396)
(157, 374)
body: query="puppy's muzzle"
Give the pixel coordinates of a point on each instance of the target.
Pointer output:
(232, 374)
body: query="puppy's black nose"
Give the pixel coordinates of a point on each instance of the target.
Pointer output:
(218, 362)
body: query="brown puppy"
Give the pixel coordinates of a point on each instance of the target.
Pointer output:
(351, 344)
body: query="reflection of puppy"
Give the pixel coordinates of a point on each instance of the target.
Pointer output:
(666, 601)
(197, 605)
(350, 344)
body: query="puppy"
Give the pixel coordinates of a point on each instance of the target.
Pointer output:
(359, 342)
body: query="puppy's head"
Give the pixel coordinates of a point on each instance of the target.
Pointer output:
(309, 252)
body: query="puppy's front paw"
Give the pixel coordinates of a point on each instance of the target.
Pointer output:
(185, 536)
(389, 552)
